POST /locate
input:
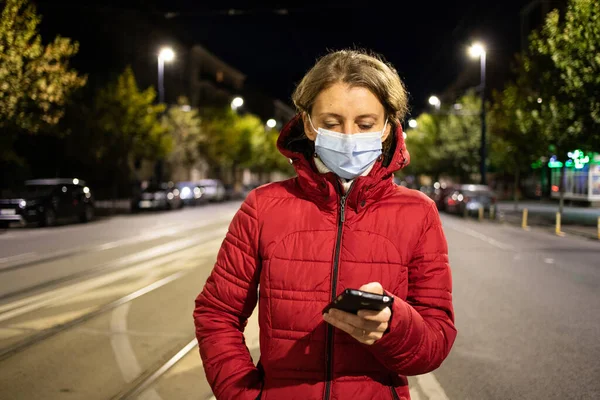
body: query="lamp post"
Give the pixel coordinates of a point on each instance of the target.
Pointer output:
(166, 54)
(478, 50)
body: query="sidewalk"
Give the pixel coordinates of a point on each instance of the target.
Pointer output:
(578, 221)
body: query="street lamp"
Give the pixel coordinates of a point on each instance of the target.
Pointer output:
(435, 101)
(477, 50)
(237, 103)
(271, 123)
(412, 123)
(166, 54)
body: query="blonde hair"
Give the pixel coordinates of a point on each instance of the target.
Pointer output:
(359, 69)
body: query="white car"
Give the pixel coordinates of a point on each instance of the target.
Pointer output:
(214, 190)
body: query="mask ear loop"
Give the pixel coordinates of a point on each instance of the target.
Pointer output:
(315, 155)
(311, 124)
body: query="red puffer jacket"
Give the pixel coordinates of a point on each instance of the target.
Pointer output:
(305, 242)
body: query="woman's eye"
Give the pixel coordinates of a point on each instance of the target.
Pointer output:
(365, 127)
(329, 125)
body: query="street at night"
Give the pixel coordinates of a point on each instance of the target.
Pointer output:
(333, 200)
(102, 322)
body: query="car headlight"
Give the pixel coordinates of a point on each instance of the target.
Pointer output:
(23, 204)
(186, 192)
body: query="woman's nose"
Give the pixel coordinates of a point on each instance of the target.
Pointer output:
(348, 128)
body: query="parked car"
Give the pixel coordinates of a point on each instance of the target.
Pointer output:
(214, 190)
(165, 196)
(47, 201)
(191, 193)
(469, 198)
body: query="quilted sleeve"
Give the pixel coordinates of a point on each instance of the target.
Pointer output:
(422, 329)
(224, 306)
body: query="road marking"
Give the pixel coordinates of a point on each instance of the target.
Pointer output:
(481, 236)
(549, 260)
(136, 263)
(29, 257)
(124, 354)
(17, 257)
(414, 395)
(123, 351)
(431, 387)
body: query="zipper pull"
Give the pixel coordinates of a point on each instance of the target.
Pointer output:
(343, 211)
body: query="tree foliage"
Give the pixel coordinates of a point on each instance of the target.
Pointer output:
(128, 125)
(35, 79)
(238, 141)
(571, 85)
(183, 125)
(447, 142)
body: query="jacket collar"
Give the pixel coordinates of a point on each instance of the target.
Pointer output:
(325, 189)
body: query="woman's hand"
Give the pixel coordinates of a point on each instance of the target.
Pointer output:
(368, 326)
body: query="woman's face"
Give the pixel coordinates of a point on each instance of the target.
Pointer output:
(346, 109)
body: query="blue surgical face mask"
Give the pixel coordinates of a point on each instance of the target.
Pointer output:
(348, 156)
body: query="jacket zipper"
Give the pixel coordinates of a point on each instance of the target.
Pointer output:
(394, 394)
(336, 261)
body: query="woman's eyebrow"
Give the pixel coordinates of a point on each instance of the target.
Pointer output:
(322, 115)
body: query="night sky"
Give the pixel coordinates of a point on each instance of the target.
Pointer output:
(274, 45)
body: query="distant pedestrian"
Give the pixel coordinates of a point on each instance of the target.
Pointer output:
(342, 223)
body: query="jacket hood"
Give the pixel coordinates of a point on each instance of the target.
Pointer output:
(294, 144)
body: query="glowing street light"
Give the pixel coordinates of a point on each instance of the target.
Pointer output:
(271, 123)
(237, 103)
(166, 54)
(477, 50)
(435, 101)
(412, 123)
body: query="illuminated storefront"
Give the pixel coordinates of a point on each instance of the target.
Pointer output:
(581, 179)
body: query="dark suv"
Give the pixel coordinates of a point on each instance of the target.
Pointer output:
(46, 201)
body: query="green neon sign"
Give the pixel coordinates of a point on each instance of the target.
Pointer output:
(579, 159)
(555, 164)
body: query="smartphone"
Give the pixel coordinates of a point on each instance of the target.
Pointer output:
(353, 300)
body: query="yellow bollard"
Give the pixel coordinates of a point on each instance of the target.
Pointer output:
(559, 232)
(492, 212)
(481, 214)
(524, 222)
(598, 228)
(466, 212)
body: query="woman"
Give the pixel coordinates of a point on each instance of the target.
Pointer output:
(341, 223)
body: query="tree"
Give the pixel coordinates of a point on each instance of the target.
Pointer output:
(227, 141)
(184, 126)
(266, 156)
(35, 79)
(447, 142)
(571, 85)
(461, 138)
(518, 138)
(128, 127)
(421, 143)
(572, 43)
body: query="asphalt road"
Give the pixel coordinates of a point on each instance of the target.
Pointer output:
(103, 311)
